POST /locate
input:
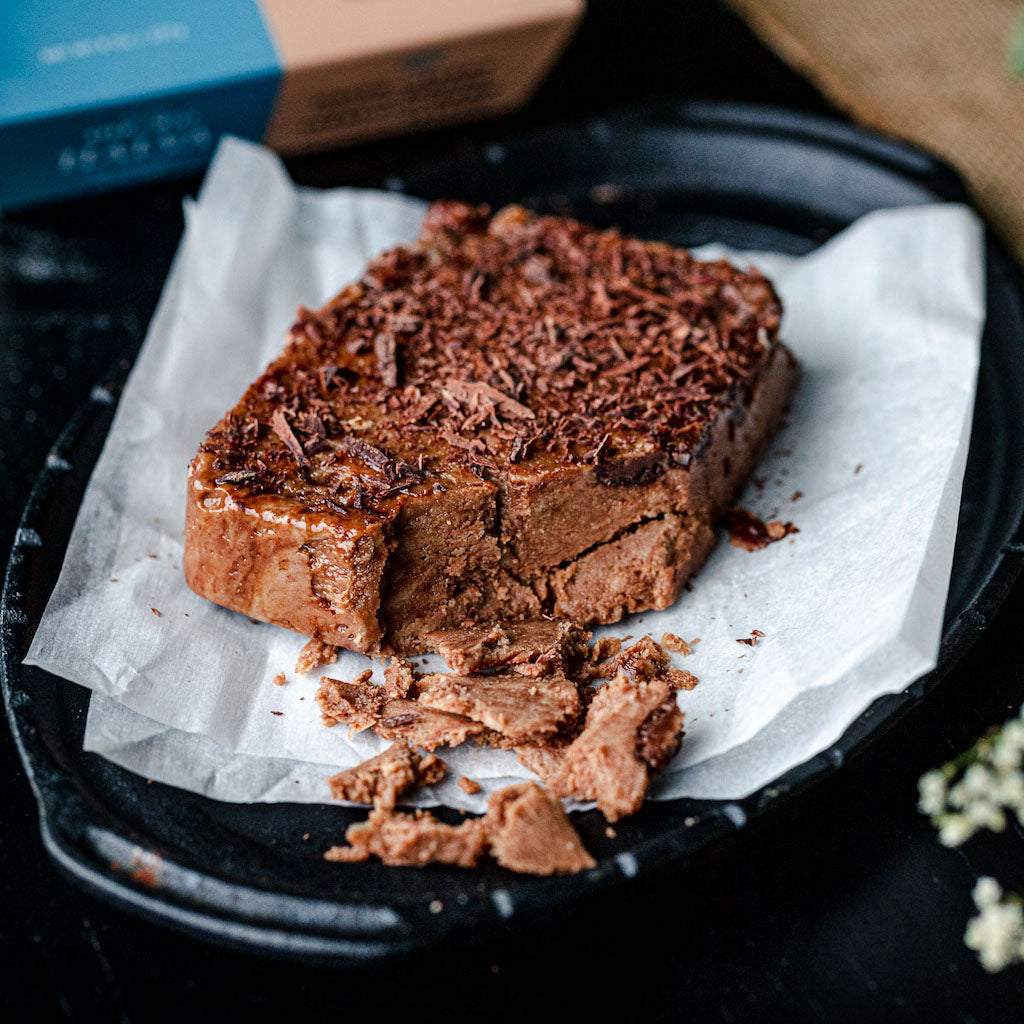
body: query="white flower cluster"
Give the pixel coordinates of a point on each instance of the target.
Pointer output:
(997, 932)
(978, 790)
(992, 784)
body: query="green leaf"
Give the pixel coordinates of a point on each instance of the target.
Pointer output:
(1015, 53)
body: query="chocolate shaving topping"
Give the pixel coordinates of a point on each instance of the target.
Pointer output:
(630, 366)
(311, 425)
(518, 449)
(327, 375)
(596, 455)
(236, 476)
(280, 424)
(461, 442)
(499, 340)
(422, 407)
(373, 456)
(473, 391)
(385, 347)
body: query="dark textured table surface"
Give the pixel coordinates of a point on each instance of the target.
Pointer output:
(841, 906)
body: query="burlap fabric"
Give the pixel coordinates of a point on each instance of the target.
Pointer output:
(934, 72)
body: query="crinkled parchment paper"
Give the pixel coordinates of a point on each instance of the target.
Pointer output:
(885, 320)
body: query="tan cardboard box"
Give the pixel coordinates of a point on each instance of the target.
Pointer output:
(362, 69)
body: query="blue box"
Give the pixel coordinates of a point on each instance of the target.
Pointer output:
(97, 94)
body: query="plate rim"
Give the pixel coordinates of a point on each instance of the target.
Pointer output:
(173, 907)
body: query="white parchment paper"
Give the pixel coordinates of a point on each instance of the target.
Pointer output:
(885, 320)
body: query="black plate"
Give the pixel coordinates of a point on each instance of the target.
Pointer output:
(244, 874)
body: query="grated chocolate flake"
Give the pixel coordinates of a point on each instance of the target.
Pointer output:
(236, 476)
(386, 349)
(473, 393)
(281, 427)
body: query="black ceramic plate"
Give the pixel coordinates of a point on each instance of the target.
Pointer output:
(245, 874)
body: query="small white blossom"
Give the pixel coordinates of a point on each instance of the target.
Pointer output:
(991, 784)
(1013, 732)
(977, 780)
(931, 789)
(955, 829)
(1009, 790)
(997, 932)
(986, 890)
(959, 796)
(985, 814)
(1006, 757)
(976, 791)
